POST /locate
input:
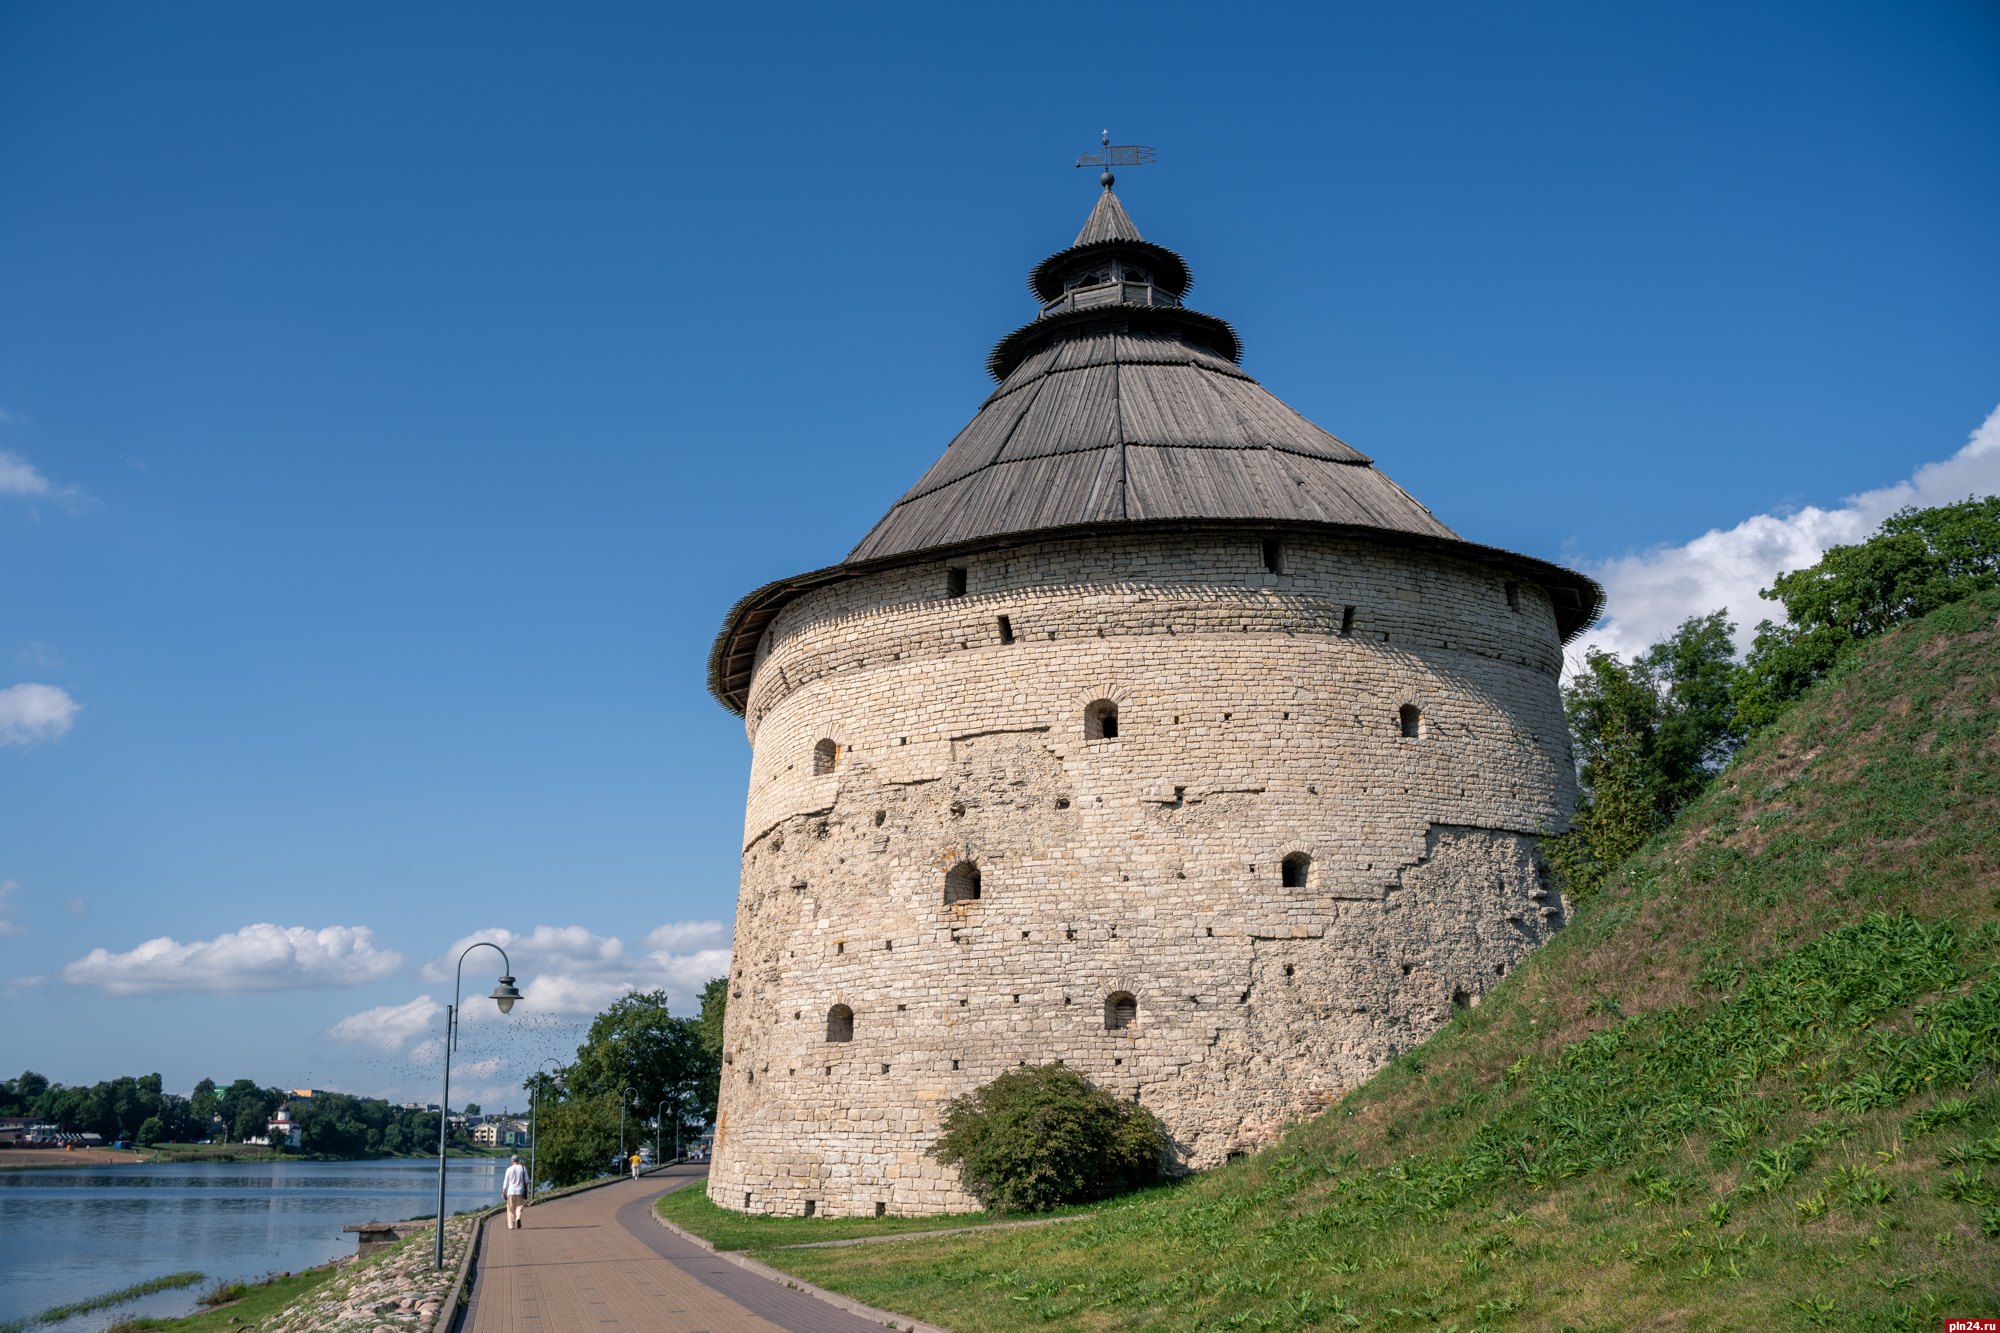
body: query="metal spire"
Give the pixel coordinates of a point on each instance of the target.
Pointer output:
(1115, 155)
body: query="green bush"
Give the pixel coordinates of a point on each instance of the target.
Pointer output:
(1037, 1138)
(151, 1132)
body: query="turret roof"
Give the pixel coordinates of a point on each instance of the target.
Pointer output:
(1120, 408)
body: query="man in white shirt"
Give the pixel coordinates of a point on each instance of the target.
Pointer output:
(514, 1185)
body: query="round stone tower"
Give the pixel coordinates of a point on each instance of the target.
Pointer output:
(1154, 731)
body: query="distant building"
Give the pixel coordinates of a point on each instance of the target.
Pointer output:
(282, 1129)
(497, 1133)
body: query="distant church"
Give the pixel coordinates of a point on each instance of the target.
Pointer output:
(1154, 731)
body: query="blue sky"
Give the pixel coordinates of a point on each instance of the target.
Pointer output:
(396, 397)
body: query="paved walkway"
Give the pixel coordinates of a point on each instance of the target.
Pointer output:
(597, 1262)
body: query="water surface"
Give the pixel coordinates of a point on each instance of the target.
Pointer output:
(77, 1232)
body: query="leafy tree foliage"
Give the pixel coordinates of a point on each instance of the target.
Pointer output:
(150, 1132)
(1648, 736)
(663, 1061)
(1035, 1138)
(578, 1139)
(115, 1108)
(1922, 559)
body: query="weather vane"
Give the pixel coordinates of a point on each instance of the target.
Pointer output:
(1115, 155)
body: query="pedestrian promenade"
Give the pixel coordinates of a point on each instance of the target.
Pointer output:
(597, 1262)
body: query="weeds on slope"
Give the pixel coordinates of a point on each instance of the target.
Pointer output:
(1752, 1086)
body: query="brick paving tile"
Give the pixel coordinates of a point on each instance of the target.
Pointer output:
(596, 1262)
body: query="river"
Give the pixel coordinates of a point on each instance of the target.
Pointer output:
(71, 1233)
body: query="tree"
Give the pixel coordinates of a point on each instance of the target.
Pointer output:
(1035, 1138)
(1921, 559)
(1648, 736)
(714, 1003)
(472, 1108)
(579, 1139)
(637, 1045)
(202, 1106)
(150, 1132)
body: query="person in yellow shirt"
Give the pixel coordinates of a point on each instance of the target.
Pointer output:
(635, 1166)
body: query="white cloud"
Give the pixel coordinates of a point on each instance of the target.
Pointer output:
(389, 1026)
(30, 713)
(16, 985)
(9, 923)
(39, 654)
(19, 477)
(569, 971)
(256, 959)
(76, 905)
(1651, 593)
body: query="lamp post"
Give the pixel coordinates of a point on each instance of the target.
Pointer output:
(656, 1133)
(503, 995)
(534, 1136)
(621, 1124)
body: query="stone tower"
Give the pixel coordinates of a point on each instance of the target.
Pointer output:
(1153, 730)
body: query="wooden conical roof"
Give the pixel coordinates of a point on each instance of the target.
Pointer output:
(1121, 409)
(1129, 410)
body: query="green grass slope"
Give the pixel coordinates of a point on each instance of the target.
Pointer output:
(1752, 1086)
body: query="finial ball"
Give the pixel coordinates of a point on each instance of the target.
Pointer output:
(1107, 180)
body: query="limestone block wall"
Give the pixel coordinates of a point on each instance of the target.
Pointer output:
(1259, 716)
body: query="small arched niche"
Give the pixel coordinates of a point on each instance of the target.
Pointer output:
(1100, 720)
(1121, 1012)
(1411, 720)
(840, 1023)
(961, 884)
(1293, 870)
(826, 758)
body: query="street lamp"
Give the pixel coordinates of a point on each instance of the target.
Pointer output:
(621, 1124)
(656, 1131)
(503, 995)
(534, 1096)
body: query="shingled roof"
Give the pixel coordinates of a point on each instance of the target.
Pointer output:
(1118, 407)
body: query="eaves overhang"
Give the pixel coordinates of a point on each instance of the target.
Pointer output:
(732, 660)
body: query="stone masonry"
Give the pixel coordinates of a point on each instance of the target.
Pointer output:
(1235, 908)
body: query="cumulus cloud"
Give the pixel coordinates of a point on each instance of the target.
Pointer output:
(16, 985)
(10, 924)
(30, 713)
(388, 1026)
(256, 959)
(1651, 593)
(570, 971)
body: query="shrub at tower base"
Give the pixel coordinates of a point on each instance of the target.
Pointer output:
(1752, 1086)
(1038, 1138)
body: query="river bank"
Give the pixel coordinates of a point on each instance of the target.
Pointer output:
(64, 1230)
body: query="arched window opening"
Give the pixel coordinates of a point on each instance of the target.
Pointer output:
(961, 883)
(1121, 1012)
(826, 757)
(840, 1023)
(1294, 870)
(1100, 721)
(1412, 722)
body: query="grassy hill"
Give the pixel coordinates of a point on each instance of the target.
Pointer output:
(1752, 1086)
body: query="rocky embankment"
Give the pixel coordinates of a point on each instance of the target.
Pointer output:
(396, 1291)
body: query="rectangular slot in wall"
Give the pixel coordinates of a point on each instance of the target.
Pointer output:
(954, 582)
(1274, 556)
(1347, 620)
(1006, 630)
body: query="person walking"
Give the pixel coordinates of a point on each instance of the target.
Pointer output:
(635, 1166)
(514, 1186)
